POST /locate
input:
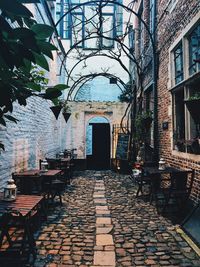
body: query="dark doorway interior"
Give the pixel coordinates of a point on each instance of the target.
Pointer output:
(100, 158)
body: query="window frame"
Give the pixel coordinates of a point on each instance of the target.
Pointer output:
(189, 86)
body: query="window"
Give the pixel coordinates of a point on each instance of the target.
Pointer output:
(95, 29)
(186, 133)
(186, 94)
(151, 15)
(178, 63)
(141, 29)
(119, 18)
(194, 50)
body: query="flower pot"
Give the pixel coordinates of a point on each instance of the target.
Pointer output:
(194, 108)
(66, 116)
(56, 110)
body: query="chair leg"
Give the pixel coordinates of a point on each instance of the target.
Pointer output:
(139, 190)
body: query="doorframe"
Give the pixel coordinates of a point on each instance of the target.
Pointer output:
(108, 120)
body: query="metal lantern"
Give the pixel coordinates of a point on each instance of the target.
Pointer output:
(61, 154)
(44, 165)
(10, 191)
(162, 164)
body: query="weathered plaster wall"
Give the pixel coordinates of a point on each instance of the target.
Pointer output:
(37, 132)
(82, 112)
(36, 135)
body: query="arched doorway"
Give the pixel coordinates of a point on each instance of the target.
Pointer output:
(98, 144)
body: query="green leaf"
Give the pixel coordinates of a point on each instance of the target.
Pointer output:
(34, 86)
(41, 61)
(2, 122)
(5, 26)
(15, 7)
(42, 31)
(61, 87)
(21, 33)
(11, 118)
(55, 101)
(2, 146)
(52, 94)
(46, 48)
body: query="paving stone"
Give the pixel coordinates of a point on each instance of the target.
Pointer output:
(104, 230)
(104, 258)
(103, 221)
(100, 201)
(104, 240)
(101, 207)
(141, 237)
(102, 212)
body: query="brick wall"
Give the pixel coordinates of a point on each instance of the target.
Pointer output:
(170, 27)
(36, 135)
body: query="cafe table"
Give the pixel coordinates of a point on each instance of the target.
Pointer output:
(170, 176)
(31, 180)
(18, 214)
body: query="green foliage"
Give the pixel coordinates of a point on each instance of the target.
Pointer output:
(142, 124)
(195, 96)
(126, 95)
(24, 50)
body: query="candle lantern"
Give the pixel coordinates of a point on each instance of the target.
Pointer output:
(10, 191)
(44, 166)
(61, 154)
(162, 164)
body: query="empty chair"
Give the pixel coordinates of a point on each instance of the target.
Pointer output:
(180, 189)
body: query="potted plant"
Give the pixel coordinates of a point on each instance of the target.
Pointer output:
(56, 110)
(193, 105)
(144, 121)
(194, 146)
(66, 112)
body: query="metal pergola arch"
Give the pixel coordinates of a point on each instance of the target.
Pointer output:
(152, 38)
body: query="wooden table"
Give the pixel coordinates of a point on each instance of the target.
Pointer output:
(18, 214)
(31, 180)
(177, 181)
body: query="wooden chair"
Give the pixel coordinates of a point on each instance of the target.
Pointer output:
(13, 219)
(53, 188)
(179, 192)
(145, 180)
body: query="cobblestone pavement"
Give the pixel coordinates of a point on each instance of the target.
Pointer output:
(101, 223)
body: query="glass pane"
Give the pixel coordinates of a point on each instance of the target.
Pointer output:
(91, 26)
(194, 51)
(178, 62)
(107, 31)
(179, 121)
(77, 22)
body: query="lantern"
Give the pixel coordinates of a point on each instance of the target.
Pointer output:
(161, 164)
(44, 166)
(10, 191)
(61, 154)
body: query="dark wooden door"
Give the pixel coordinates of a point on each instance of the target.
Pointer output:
(100, 158)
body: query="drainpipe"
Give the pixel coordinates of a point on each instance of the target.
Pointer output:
(155, 84)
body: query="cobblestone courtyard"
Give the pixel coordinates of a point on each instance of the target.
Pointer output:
(101, 223)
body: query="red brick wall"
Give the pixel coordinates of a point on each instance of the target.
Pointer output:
(170, 27)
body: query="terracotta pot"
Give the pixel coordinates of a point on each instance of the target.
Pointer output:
(66, 116)
(56, 110)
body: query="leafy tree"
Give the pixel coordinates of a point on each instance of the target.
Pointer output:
(24, 49)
